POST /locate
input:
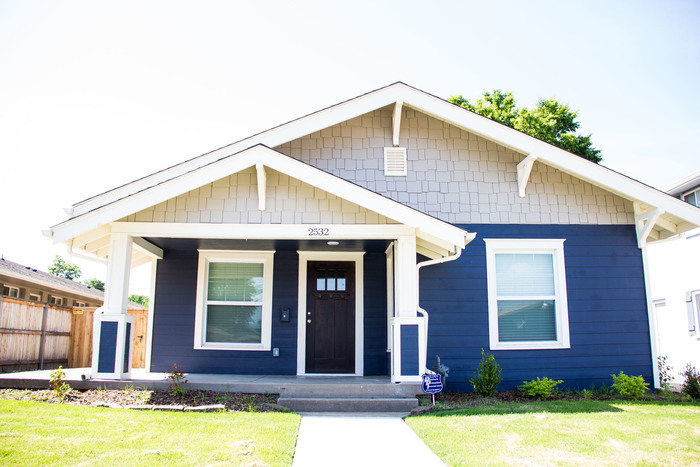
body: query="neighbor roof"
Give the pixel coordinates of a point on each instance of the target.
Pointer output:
(46, 280)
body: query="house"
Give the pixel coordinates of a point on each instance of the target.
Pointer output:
(18, 281)
(368, 237)
(675, 285)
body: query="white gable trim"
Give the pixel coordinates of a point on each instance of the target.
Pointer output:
(438, 108)
(260, 156)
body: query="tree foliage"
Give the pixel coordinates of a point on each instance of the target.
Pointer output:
(551, 121)
(62, 268)
(140, 299)
(95, 284)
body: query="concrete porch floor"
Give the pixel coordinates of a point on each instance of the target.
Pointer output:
(80, 378)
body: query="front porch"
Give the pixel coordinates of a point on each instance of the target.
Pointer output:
(298, 393)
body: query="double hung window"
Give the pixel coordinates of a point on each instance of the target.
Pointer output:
(234, 300)
(527, 294)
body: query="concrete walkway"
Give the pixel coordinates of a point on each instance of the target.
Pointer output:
(360, 440)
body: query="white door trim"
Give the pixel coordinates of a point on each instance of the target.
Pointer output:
(358, 258)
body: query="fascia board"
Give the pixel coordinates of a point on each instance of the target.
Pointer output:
(276, 161)
(152, 196)
(574, 165)
(271, 138)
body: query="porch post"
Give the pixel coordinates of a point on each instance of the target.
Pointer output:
(408, 332)
(113, 327)
(405, 276)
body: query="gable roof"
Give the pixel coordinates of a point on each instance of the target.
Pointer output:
(670, 216)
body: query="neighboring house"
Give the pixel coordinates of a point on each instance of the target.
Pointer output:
(675, 285)
(302, 250)
(18, 281)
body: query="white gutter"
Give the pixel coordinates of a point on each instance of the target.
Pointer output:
(75, 254)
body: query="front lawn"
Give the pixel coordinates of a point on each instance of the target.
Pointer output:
(565, 432)
(34, 433)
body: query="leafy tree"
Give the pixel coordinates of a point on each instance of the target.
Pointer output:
(140, 299)
(551, 121)
(95, 284)
(62, 268)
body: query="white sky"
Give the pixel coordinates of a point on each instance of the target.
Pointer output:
(96, 94)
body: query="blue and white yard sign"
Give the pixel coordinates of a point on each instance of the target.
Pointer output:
(432, 383)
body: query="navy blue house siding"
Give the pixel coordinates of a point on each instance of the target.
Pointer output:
(174, 318)
(608, 322)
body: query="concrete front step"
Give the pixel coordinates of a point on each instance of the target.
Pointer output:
(324, 389)
(349, 404)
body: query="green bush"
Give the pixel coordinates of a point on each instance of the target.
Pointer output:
(664, 373)
(60, 388)
(177, 381)
(630, 386)
(691, 385)
(487, 376)
(539, 388)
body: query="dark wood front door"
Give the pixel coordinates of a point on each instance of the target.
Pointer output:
(330, 317)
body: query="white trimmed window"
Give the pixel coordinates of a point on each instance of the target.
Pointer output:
(527, 294)
(10, 291)
(55, 300)
(692, 197)
(234, 300)
(692, 303)
(35, 297)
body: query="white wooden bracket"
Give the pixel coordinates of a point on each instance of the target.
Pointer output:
(645, 223)
(524, 170)
(148, 248)
(262, 182)
(396, 120)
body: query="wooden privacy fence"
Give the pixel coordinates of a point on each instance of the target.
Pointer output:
(35, 335)
(81, 337)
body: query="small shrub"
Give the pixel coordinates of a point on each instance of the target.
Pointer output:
(60, 388)
(664, 373)
(630, 386)
(587, 394)
(539, 388)
(691, 385)
(177, 380)
(487, 376)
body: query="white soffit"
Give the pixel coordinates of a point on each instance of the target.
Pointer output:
(431, 105)
(427, 226)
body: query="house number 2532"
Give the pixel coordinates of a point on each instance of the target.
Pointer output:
(318, 231)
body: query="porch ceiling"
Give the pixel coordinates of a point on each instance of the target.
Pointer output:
(278, 245)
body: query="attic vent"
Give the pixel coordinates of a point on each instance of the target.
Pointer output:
(395, 162)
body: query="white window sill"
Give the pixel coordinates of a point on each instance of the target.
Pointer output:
(222, 346)
(530, 346)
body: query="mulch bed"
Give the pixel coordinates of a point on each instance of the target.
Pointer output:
(232, 402)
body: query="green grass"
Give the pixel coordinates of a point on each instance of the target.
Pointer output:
(565, 433)
(34, 433)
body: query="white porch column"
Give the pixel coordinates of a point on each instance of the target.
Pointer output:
(405, 276)
(113, 327)
(407, 328)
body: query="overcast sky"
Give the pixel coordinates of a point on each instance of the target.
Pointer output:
(94, 94)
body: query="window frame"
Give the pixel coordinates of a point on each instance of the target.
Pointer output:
(554, 247)
(10, 288)
(692, 302)
(32, 294)
(696, 192)
(233, 256)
